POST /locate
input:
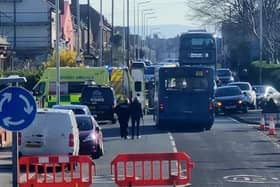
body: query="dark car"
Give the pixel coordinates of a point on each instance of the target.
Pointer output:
(230, 98)
(264, 93)
(101, 102)
(248, 91)
(224, 76)
(90, 135)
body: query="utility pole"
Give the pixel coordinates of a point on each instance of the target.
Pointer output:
(127, 37)
(57, 57)
(101, 36)
(124, 33)
(78, 16)
(261, 41)
(88, 24)
(134, 31)
(112, 35)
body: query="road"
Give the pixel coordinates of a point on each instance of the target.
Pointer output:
(231, 154)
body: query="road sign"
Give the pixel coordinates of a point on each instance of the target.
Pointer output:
(17, 108)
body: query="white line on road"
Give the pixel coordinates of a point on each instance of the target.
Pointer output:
(234, 120)
(172, 142)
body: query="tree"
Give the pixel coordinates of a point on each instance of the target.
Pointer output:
(67, 58)
(245, 14)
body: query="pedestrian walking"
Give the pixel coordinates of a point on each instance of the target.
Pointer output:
(123, 112)
(136, 113)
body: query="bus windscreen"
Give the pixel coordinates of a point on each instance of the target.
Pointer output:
(186, 83)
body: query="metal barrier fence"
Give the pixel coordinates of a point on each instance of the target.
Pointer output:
(55, 171)
(148, 169)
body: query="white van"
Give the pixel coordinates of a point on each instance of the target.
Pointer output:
(137, 72)
(53, 132)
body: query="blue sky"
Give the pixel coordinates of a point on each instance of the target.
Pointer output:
(171, 12)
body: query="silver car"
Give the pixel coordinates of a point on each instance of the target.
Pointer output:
(248, 91)
(77, 109)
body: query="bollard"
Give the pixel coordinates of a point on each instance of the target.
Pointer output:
(262, 123)
(271, 126)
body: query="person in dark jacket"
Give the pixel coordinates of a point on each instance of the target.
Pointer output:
(123, 111)
(135, 113)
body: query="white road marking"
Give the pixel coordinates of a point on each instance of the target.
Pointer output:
(172, 142)
(234, 120)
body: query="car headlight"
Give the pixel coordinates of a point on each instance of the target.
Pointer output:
(239, 102)
(219, 104)
(91, 137)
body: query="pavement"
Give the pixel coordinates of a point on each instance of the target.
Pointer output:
(5, 167)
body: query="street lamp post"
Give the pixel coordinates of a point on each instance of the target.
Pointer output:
(144, 14)
(138, 24)
(101, 35)
(78, 60)
(112, 35)
(124, 35)
(57, 57)
(147, 28)
(261, 41)
(135, 38)
(127, 36)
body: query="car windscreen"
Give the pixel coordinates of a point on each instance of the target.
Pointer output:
(260, 89)
(98, 95)
(242, 86)
(186, 83)
(223, 73)
(78, 111)
(224, 92)
(84, 123)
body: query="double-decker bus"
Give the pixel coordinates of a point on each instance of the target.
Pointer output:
(197, 48)
(184, 97)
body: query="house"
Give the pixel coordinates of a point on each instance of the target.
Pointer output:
(93, 31)
(27, 31)
(67, 27)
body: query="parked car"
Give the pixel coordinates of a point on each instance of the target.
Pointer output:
(230, 98)
(101, 102)
(53, 132)
(90, 134)
(249, 92)
(263, 93)
(224, 76)
(77, 109)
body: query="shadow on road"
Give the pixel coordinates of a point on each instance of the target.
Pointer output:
(144, 130)
(147, 130)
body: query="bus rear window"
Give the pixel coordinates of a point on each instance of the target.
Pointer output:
(138, 86)
(184, 83)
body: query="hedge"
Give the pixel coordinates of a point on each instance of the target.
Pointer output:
(32, 77)
(270, 73)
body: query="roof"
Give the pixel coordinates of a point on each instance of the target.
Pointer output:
(52, 110)
(70, 106)
(233, 83)
(229, 86)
